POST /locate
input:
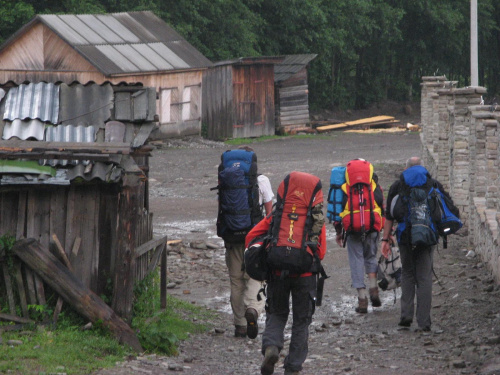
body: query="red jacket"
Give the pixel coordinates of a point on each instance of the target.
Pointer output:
(263, 226)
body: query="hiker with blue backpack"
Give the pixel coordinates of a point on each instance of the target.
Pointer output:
(424, 211)
(357, 213)
(243, 196)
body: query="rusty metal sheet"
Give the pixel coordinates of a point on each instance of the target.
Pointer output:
(86, 104)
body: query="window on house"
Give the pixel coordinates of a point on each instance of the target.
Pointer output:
(191, 103)
(170, 105)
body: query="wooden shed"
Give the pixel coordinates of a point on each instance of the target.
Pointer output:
(132, 47)
(292, 92)
(72, 175)
(238, 98)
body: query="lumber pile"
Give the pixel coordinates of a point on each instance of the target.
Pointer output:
(365, 123)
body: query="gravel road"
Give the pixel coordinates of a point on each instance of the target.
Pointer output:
(465, 334)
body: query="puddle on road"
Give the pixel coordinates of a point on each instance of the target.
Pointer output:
(338, 308)
(192, 228)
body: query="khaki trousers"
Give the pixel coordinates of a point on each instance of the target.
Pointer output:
(244, 290)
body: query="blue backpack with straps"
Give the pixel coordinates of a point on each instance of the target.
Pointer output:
(429, 212)
(238, 192)
(415, 196)
(335, 194)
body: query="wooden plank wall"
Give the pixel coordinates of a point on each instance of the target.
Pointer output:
(144, 234)
(217, 99)
(293, 101)
(253, 100)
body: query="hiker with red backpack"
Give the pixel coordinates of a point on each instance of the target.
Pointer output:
(294, 238)
(243, 195)
(410, 203)
(361, 222)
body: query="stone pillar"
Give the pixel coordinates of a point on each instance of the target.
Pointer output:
(428, 115)
(459, 151)
(446, 103)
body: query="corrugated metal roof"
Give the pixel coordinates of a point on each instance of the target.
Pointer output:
(69, 133)
(33, 101)
(101, 171)
(251, 60)
(86, 105)
(290, 65)
(24, 129)
(121, 43)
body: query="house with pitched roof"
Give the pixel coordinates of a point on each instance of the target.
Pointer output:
(132, 48)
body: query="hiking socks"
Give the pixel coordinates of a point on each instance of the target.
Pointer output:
(373, 282)
(362, 293)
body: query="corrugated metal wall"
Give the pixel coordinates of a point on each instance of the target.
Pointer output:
(238, 101)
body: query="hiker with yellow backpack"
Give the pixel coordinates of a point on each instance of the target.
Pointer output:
(358, 226)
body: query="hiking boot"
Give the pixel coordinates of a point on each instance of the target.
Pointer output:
(271, 356)
(423, 329)
(374, 298)
(240, 331)
(405, 322)
(251, 316)
(290, 372)
(362, 305)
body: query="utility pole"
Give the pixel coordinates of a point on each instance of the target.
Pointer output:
(474, 80)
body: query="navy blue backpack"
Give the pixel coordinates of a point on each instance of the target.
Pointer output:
(335, 194)
(238, 192)
(429, 212)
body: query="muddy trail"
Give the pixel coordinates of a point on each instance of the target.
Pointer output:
(465, 334)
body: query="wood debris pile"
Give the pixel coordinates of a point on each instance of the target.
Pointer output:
(365, 123)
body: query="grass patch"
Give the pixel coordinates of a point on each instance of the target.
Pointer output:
(70, 350)
(161, 331)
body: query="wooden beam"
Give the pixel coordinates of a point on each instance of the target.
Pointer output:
(144, 248)
(14, 318)
(360, 122)
(73, 291)
(125, 259)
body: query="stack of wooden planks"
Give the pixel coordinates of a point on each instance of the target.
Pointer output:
(365, 123)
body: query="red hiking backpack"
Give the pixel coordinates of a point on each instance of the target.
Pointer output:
(362, 214)
(289, 249)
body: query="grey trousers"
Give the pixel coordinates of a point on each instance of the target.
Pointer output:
(416, 279)
(362, 257)
(303, 292)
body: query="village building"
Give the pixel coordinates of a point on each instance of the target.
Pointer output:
(238, 98)
(131, 47)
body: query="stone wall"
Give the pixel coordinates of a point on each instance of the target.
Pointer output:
(460, 146)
